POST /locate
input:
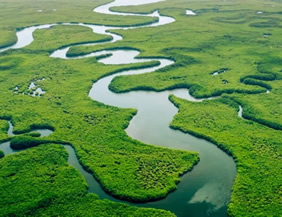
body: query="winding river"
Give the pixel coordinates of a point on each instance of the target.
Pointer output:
(206, 190)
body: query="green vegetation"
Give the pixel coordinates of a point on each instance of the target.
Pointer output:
(8, 63)
(90, 205)
(3, 130)
(264, 108)
(30, 183)
(68, 35)
(2, 154)
(18, 14)
(8, 38)
(223, 35)
(44, 185)
(33, 134)
(125, 168)
(228, 35)
(118, 162)
(24, 142)
(256, 149)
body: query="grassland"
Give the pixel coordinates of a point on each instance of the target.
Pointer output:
(224, 34)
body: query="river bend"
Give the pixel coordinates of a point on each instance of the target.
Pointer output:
(206, 190)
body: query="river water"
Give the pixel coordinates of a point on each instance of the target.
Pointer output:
(206, 190)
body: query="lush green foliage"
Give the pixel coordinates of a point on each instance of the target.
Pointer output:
(28, 183)
(103, 147)
(44, 185)
(228, 35)
(90, 205)
(61, 36)
(3, 130)
(122, 166)
(7, 38)
(224, 34)
(256, 149)
(18, 14)
(2, 154)
(264, 108)
(23, 142)
(33, 134)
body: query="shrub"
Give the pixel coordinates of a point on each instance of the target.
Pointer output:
(23, 142)
(1, 154)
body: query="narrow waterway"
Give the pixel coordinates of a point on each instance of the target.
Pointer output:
(203, 192)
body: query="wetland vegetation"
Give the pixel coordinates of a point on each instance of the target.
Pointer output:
(47, 186)
(228, 37)
(252, 145)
